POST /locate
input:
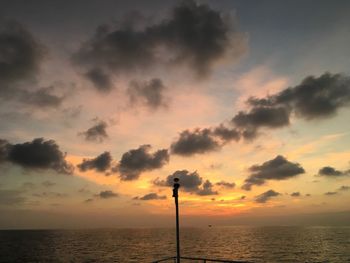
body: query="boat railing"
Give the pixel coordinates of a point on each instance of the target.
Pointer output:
(204, 260)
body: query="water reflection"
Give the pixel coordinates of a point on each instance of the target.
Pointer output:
(257, 244)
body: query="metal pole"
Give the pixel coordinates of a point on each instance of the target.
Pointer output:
(176, 195)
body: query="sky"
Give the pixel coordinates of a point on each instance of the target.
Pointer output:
(104, 103)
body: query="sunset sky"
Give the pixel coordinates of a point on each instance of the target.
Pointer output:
(103, 103)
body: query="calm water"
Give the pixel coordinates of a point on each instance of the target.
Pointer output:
(256, 244)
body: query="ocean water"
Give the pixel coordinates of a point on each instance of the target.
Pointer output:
(254, 244)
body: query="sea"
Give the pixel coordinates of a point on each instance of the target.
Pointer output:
(253, 244)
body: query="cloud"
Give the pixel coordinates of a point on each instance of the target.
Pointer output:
(101, 163)
(295, 194)
(332, 172)
(189, 182)
(151, 196)
(314, 98)
(96, 133)
(193, 142)
(317, 97)
(226, 184)
(147, 93)
(226, 134)
(199, 141)
(10, 198)
(101, 80)
(37, 154)
(344, 188)
(136, 161)
(264, 197)
(193, 35)
(107, 194)
(20, 53)
(42, 97)
(278, 168)
(271, 117)
(304, 101)
(331, 193)
(20, 58)
(207, 189)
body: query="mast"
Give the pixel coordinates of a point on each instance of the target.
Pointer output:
(176, 196)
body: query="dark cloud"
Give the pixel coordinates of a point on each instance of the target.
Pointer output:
(257, 117)
(147, 93)
(344, 188)
(101, 163)
(317, 97)
(194, 142)
(314, 98)
(264, 197)
(107, 194)
(331, 193)
(295, 194)
(207, 189)
(278, 168)
(101, 80)
(199, 141)
(193, 35)
(20, 55)
(96, 133)
(332, 172)
(189, 182)
(151, 196)
(20, 58)
(226, 134)
(136, 161)
(226, 184)
(250, 134)
(37, 154)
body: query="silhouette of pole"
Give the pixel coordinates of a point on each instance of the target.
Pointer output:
(176, 196)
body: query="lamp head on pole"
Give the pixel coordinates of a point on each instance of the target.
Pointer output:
(176, 187)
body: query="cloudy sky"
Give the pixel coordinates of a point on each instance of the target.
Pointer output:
(103, 103)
